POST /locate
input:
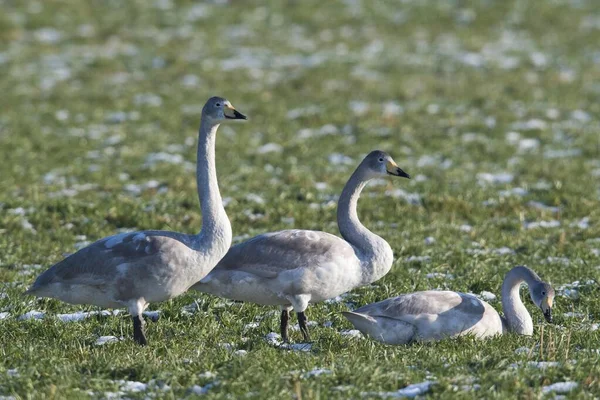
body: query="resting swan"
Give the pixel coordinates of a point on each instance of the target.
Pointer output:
(435, 315)
(134, 269)
(293, 268)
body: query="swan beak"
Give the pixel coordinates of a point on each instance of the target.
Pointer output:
(393, 169)
(231, 113)
(547, 308)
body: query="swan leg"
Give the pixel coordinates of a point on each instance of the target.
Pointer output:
(285, 322)
(138, 330)
(136, 308)
(303, 327)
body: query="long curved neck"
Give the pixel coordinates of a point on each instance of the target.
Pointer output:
(375, 252)
(215, 236)
(517, 316)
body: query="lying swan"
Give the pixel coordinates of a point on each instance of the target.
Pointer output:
(134, 269)
(293, 268)
(435, 315)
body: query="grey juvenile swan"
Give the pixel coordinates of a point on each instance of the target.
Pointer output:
(293, 268)
(435, 315)
(138, 268)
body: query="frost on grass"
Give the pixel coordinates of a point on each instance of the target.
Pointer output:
(201, 390)
(560, 387)
(32, 315)
(102, 340)
(352, 333)
(316, 372)
(410, 391)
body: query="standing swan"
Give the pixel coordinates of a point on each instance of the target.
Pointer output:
(293, 268)
(435, 315)
(134, 269)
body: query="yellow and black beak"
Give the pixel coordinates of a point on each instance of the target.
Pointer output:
(546, 307)
(393, 169)
(231, 113)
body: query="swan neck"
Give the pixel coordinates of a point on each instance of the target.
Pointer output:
(374, 252)
(216, 228)
(517, 317)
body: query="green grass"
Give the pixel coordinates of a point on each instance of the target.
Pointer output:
(464, 74)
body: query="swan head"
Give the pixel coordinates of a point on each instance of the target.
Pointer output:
(542, 295)
(379, 163)
(219, 110)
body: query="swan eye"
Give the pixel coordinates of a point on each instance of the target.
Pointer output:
(381, 160)
(218, 104)
(543, 293)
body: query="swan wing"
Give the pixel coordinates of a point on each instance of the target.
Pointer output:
(269, 254)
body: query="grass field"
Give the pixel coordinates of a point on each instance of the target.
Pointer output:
(492, 107)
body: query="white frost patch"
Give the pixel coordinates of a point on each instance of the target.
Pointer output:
(523, 350)
(536, 364)
(340, 159)
(410, 391)
(502, 177)
(81, 315)
(487, 296)
(352, 333)
(273, 338)
(465, 228)
(13, 373)
(572, 314)
(542, 224)
(32, 315)
(102, 340)
(429, 240)
(203, 389)
(4, 315)
(583, 223)
(518, 192)
(432, 275)
(560, 387)
(269, 148)
(255, 198)
(411, 198)
(251, 325)
(154, 158)
(317, 372)
(302, 347)
(550, 153)
(133, 386)
(541, 206)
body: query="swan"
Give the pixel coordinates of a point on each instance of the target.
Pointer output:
(137, 268)
(435, 315)
(293, 268)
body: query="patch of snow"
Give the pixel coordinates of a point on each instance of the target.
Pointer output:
(317, 372)
(411, 198)
(340, 159)
(572, 314)
(560, 387)
(561, 153)
(302, 347)
(542, 224)
(269, 148)
(352, 333)
(487, 296)
(32, 315)
(502, 178)
(102, 340)
(4, 315)
(133, 386)
(153, 315)
(432, 275)
(200, 390)
(13, 373)
(240, 353)
(410, 391)
(465, 228)
(429, 240)
(273, 338)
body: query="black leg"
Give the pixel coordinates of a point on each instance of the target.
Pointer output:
(303, 328)
(138, 330)
(285, 319)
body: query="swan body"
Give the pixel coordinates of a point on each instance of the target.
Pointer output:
(137, 268)
(293, 268)
(436, 315)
